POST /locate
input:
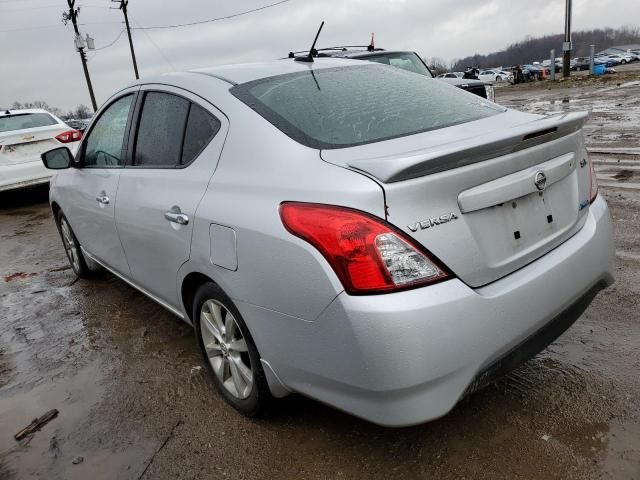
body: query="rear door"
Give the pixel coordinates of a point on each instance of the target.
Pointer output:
(174, 151)
(89, 192)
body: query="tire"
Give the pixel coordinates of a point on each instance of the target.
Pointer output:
(227, 359)
(623, 62)
(498, 79)
(72, 248)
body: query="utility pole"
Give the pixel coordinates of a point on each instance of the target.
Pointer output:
(73, 16)
(123, 7)
(566, 46)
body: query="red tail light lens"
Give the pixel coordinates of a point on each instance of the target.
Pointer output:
(367, 254)
(69, 136)
(593, 187)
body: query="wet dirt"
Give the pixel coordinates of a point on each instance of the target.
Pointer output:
(119, 368)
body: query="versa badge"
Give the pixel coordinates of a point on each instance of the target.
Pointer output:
(433, 222)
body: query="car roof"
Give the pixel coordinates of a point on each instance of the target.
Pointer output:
(247, 72)
(17, 111)
(362, 53)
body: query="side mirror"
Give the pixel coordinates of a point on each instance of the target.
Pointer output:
(58, 158)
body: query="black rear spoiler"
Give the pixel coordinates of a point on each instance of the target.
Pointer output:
(396, 168)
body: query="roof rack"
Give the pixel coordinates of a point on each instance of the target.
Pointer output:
(309, 55)
(342, 48)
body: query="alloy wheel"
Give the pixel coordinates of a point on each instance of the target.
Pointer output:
(226, 349)
(70, 245)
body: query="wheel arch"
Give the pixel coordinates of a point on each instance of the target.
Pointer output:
(55, 208)
(190, 285)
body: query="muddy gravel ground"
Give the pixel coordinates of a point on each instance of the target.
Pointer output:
(134, 403)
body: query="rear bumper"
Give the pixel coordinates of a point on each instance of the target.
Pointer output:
(23, 175)
(406, 358)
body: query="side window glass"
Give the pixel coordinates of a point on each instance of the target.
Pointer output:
(103, 147)
(160, 130)
(201, 128)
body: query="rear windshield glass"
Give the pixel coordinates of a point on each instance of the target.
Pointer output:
(406, 60)
(348, 106)
(25, 120)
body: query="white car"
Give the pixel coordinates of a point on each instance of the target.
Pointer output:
(493, 76)
(622, 58)
(24, 136)
(451, 75)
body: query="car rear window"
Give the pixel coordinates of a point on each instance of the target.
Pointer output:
(406, 60)
(22, 121)
(347, 106)
(201, 128)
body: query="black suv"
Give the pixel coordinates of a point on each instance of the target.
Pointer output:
(406, 60)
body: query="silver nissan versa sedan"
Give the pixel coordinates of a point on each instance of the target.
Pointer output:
(350, 231)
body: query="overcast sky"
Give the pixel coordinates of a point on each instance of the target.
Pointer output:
(38, 60)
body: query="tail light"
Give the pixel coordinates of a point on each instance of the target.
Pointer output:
(593, 182)
(69, 136)
(367, 254)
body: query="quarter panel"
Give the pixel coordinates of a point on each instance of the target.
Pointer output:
(259, 169)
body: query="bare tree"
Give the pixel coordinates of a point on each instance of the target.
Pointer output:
(82, 111)
(437, 65)
(536, 49)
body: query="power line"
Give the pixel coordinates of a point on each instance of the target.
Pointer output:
(28, 8)
(112, 43)
(41, 7)
(40, 27)
(173, 68)
(214, 19)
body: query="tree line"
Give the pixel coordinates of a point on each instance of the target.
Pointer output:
(80, 112)
(537, 48)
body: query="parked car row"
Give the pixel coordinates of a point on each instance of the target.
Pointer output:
(541, 69)
(79, 124)
(489, 75)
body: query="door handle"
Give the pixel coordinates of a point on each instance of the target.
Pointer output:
(103, 199)
(174, 215)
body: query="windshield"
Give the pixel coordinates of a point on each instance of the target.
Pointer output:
(22, 121)
(406, 60)
(348, 106)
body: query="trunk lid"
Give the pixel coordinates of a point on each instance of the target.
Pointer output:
(468, 193)
(21, 146)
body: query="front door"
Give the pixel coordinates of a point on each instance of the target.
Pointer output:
(174, 153)
(92, 188)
